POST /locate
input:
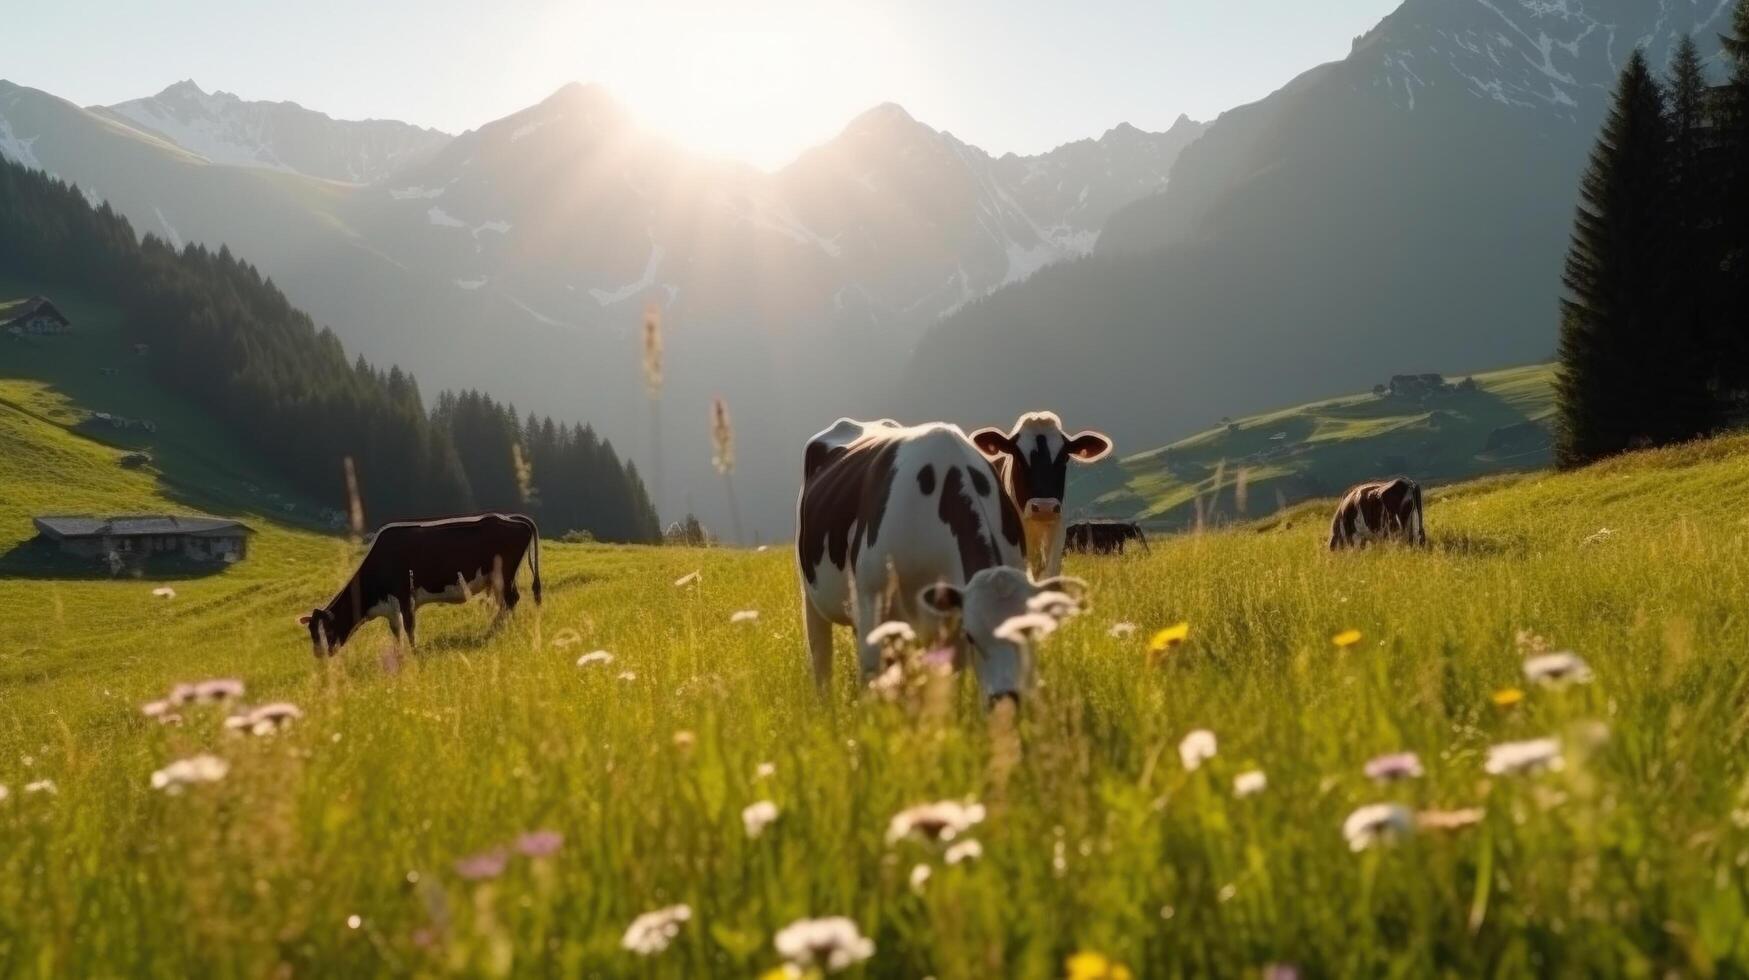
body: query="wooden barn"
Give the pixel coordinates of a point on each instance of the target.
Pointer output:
(139, 537)
(34, 317)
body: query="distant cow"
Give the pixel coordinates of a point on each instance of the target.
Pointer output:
(1035, 457)
(1386, 510)
(411, 564)
(1103, 537)
(911, 524)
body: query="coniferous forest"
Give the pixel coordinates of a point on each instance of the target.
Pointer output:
(227, 339)
(1654, 338)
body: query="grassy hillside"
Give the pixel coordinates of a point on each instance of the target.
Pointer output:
(332, 848)
(65, 379)
(1255, 466)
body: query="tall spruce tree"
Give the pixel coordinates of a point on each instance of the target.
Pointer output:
(1691, 259)
(1611, 376)
(1731, 138)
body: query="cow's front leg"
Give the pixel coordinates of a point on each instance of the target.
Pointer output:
(404, 619)
(868, 655)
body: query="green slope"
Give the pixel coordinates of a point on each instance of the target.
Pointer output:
(64, 380)
(1255, 466)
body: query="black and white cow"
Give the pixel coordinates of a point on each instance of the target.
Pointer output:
(1388, 509)
(1035, 457)
(911, 524)
(1103, 537)
(411, 564)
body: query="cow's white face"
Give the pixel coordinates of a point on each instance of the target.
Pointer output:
(995, 595)
(1037, 453)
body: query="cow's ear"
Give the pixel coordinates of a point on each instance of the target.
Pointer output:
(994, 443)
(1068, 585)
(942, 598)
(304, 620)
(1090, 447)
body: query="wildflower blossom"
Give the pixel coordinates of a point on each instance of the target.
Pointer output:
(628, 676)
(159, 711)
(46, 787)
(764, 770)
(965, 850)
(1026, 628)
(1599, 536)
(1376, 824)
(1397, 765)
(939, 822)
(758, 816)
(565, 638)
(206, 692)
(834, 943)
(1346, 639)
(1507, 697)
(1121, 631)
(483, 866)
(690, 578)
(1281, 971)
(265, 720)
(920, 877)
(651, 932)
(1197, 748)
(1169, 637)
(594, 657)
(1096, 966)
(164, 592)
(182, 773)
(745, 616)
(1060, 605)
(891, 631)
(540, 843)
(1534, 755)
(1557, 669)
(1449, 819)
(1250, 783)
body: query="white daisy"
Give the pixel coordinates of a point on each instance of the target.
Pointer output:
(1026, 628)
(745, 616)
(1535, 755)
(182, 773)
(651, 932)
(1557, 669)
(965, 850)
(939, 822)
(1120, 631)
(833, 943)
(1250, 783)
(595, 657)
(891, 631)
(1197, 748)
(1376, 824)
(758, 816)
(690, 578)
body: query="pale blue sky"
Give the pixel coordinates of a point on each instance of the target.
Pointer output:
(754, 79)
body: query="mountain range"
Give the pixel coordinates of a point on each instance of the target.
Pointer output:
(1405, 209)
(1402, 209)
(519, 257)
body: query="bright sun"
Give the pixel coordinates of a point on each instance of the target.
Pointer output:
(756, 81)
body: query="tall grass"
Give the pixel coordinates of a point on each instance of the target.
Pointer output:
(330, 849)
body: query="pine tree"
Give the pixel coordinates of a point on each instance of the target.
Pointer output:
(1731, 133)
(1610, 377)
(1691, 261)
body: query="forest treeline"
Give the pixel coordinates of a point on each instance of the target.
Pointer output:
(225, 338)
(1654, 339)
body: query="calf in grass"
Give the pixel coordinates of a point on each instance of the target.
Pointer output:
(411, 564)
(1383, 511)
(912, 524)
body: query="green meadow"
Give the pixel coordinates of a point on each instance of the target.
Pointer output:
(382, 832)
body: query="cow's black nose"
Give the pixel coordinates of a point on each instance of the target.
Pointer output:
(1012, 697)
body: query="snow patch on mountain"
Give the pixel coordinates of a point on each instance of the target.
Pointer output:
(169, 229)
(415, 193)
(17, 148)
(470, 284)
(608, 297)
(443, 219)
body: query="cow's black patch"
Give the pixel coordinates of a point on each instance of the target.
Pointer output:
(842, 499)
(926, 479)
(977, 546)
(980, 482)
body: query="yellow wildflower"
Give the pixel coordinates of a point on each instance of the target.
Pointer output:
(1506, 697)
(1168, 638)
(1096, 966)
(1346, 639)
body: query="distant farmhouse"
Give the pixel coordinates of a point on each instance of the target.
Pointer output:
(35, 317)
(134, 538)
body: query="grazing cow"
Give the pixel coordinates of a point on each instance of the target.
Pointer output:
(911, 524)
(1379, 511)
(1103, 537)
(1035, 458)
(411, 564)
